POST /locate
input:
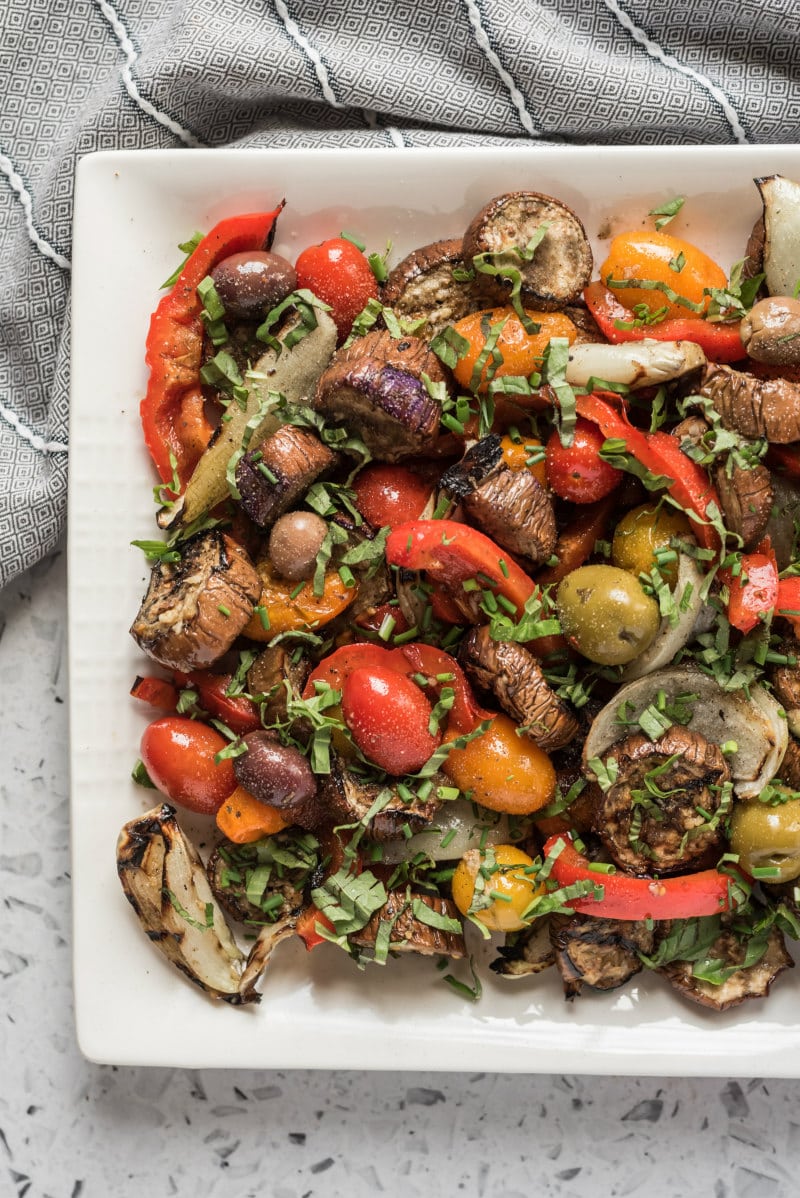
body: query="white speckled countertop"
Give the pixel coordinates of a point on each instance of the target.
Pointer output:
(70, 1129)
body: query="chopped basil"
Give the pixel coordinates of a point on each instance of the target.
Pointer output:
(667, 212)
(187, 248)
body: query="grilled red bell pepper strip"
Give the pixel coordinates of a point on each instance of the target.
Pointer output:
(755, 590)
(721, 342)
(305, 927)
(171, 411)
(659, 453)
(787, 603)
(239, 713)
(453, 554)
(708, 892)
(157, 692)
(439, 668)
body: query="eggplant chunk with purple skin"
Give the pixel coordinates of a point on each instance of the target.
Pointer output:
(379, 388)
(164, 881)
(195, 608)
(274, 477)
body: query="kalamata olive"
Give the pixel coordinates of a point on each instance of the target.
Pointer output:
(294, 543)
(251, 283)
(771, 331)
(606, 615)
(276, 774)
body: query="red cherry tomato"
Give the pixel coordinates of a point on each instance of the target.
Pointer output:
(338, 274)
(388, 716)
(239, 713)
(390, 494)
(577, 472)
(178, 754)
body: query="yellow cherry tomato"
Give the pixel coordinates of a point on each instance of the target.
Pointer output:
(662, 258)
(521, 351)
(503, 771)
(517, 456)
(495, 877)
(290, 612)
(643, 531)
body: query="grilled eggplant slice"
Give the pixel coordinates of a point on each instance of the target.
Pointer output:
(526, 953)
(248, 879)
(165, 883)
(194, 609)
(559, 267)
(748, 981)
(663, 822)
(751, 406)
(423, 287)
(409, 933)
(278, 673)
(345, 798)
(600, 953)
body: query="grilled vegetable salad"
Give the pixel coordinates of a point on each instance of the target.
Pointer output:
(474, 608)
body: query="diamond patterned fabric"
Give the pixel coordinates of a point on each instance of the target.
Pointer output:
(127, 74)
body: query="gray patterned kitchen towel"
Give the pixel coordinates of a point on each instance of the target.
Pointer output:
(82, 75)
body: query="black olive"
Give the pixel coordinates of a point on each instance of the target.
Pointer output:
(251, 283)
(294, 543)
(277, 774)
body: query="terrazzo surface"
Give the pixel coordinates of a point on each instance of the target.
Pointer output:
(69, 1129)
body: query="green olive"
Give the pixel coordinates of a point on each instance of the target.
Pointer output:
(606, 615)
(769, 836)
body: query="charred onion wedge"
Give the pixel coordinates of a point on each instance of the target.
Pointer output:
(165, 883)
(195, 608)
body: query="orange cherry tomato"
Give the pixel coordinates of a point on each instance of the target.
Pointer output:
(388, 494)
(503, 771)
(388, 716)
(288, 614)
(517, 456)
(661, 258)
(338, 274)
(521, 351)
(178, 754)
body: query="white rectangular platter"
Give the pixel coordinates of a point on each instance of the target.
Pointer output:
(318, 1010)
